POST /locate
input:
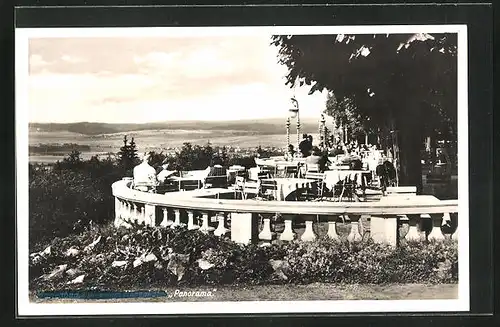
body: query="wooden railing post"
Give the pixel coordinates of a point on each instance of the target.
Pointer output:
(354, 235)
(436, 234)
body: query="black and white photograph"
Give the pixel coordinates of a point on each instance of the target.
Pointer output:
(212, 170)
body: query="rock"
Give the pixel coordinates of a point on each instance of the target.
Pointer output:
(150, 257)
(137, 262)
(119, 263)
(158, 265)
(72, 252)
(73, 272)
(47, 251)
(77, 280)
(280, 268)
(56, 273)
(91, 246)
(177, 264)
(204, 264)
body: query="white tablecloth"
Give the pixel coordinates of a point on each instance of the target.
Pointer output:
(286, 186)
(332, 177)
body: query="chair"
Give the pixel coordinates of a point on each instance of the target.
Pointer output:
(217, 177)
(319, 178)
(312, 168)
(268, 189)
(291, 171)
(239, 187)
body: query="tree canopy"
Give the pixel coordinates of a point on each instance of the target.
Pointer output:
(405, 81)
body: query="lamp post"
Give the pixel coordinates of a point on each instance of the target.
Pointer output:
(322, 132)
(287, 132)
(294, 113)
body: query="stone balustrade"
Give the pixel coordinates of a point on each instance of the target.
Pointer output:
(214, 211)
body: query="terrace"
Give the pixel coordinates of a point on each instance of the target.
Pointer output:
(281, 196)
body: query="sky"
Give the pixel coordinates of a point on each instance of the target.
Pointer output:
(138, 80)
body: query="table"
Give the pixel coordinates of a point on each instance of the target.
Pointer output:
(197, 176)
(286, 186)
(332, 177)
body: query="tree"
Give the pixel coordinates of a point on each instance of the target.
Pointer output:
(405, 83)
(127, 156)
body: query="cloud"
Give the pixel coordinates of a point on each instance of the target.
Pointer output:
(72, 59)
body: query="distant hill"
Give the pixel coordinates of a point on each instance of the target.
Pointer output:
(261, 126)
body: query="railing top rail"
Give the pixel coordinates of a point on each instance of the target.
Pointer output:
(122, 191)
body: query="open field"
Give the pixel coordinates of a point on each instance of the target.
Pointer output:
(156, 140)
(311, 292)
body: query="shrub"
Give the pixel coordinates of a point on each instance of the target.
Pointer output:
(159, 257)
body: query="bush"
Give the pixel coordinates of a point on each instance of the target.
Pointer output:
(159, 257)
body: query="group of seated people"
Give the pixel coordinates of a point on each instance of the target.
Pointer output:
(148, 179)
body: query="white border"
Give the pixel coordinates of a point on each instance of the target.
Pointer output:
(27, 308)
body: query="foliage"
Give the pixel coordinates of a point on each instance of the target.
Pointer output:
(157, 257)
(127, 156)
(404, 82)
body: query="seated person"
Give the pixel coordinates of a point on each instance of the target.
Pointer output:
(305, 146)
(145, 176)
(290, 153)
(165, 172)
(318, 158)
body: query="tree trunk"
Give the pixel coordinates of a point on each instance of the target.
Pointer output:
(410, 143)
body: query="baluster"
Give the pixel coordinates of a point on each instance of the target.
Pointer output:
(118, 208)
(205, 228)
(134, 212)
(308, 232)
(413, 229)
(354, 235)
(191, 225)
(266, 234)
(130, 217)
(142, 215)
(454, 236)
(177, 221)
(288, 234)
(165, 222)
(221, 229)
(332, 229)
(436, 234)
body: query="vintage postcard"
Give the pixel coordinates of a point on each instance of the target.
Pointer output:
(214, 170)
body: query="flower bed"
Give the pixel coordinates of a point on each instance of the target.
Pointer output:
(151, 257)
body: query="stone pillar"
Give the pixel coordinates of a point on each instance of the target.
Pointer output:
(414, 228)
(384, 229)
(332, 229)
(221, 228)
(205, 228)
(308, 232)
(165, 222)
(191, 225)
(243, 227)
(118, 212)
(436, 234)
(177, 221)
(150, 215)
(288, 234)
(266, 234)
(454, 236)
(354, 235)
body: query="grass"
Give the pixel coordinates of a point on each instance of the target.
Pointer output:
(311, 292)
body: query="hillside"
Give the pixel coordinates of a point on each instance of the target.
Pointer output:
(261, 126)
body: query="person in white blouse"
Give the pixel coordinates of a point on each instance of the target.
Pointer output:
(165, 173)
